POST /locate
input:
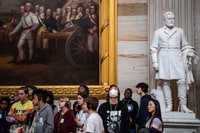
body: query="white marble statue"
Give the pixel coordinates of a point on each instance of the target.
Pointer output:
(172, 58)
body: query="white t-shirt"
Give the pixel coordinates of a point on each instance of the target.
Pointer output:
(94, 124)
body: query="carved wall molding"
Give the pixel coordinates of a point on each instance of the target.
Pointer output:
(61, 91)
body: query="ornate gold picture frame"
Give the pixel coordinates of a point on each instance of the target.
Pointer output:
(107, 57)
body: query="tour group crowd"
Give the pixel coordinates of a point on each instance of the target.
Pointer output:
(29, 28)
(32, 110)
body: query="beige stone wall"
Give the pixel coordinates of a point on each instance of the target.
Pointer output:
(132, 43)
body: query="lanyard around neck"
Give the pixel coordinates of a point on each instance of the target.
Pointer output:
(111, 109)
(126, 101)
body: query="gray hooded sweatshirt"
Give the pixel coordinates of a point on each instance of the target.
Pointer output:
(45, 120)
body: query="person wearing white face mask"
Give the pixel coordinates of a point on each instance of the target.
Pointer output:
(114, 113)
(168, 45)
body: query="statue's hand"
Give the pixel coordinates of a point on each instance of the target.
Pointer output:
(155, 66)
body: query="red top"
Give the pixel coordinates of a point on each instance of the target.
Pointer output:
(65, 123)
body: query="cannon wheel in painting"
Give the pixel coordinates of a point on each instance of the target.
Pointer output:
(76, 50)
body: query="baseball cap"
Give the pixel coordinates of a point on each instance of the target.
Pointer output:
(113, 93)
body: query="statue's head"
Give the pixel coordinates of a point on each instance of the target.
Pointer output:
(169, 19)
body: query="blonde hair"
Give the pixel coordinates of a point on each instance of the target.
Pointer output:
(67, 102)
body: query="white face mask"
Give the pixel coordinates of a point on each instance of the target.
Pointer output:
(169, 21)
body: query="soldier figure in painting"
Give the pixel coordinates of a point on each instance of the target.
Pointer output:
(171, 57)
(28, 23)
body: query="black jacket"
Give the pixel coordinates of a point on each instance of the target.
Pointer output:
(132, 109)
(143, 113)
(115, 117)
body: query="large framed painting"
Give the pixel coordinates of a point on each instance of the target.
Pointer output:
(78, 46)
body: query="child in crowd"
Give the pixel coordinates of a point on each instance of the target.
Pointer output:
(64, 119)
(43, 121)
(76, 106)
(81, 116)
(20, 112)
(50, 101)
(154, 123)
(94, 123)
(31, 90)
(132, 108)
(142, 89)
(4, 109)
(14, 98)
(114, 113)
